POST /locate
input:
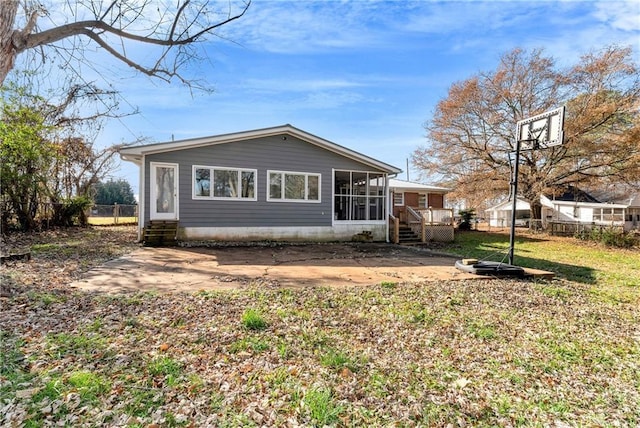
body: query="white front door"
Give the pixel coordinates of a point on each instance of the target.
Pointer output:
(164, 191)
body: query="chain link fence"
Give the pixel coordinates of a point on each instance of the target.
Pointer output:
(47, 215)
(113, 214)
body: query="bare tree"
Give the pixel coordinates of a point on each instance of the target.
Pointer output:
(471, 134)
(171, 30)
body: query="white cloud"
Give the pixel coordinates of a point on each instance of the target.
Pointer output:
(467, 18)
(311, 26)
(331, 99)
(282, 85)
(619, 15)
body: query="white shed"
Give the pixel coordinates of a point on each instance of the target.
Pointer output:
(500, 215)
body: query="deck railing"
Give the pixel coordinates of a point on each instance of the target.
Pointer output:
(437, 215)
(430, 224)
(438, 224)
(416, 222)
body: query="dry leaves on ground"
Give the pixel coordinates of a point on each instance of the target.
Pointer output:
(479, 353)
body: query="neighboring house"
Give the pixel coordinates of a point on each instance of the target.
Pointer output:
(632, 212)
(277, 183)
(420, 208)
(572, 207)
(415, 195)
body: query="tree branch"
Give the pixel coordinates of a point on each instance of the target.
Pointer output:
(26, 41)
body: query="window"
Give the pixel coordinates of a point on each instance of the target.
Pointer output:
(293, 186)
(223, 183)
(398, 199)
(359, 196)
(608, 214)
(202, 182)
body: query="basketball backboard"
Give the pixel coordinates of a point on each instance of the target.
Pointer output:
(541, 131)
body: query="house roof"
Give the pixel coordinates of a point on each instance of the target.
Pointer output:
(632, 201)
(572, 194)
(604, 198)
(395, 183)
(136, 153)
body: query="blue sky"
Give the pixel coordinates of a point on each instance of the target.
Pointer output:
(363, 74)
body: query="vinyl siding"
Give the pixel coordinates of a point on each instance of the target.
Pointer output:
(269, 153)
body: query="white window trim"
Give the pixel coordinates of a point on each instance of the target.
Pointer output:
(306, 185)
(223, 198)
(426, 200)
(401, 199)
(153, 209)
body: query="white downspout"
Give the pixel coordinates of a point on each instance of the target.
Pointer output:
(389, 205)
(141, 194)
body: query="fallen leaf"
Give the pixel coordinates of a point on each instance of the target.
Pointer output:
(461, 382)
(345, 372)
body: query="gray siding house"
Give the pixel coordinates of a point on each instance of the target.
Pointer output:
(277, 183)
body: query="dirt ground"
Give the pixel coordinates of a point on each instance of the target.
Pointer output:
(194, 269)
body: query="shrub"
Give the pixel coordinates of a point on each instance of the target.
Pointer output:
(610, 236)
(467, 216)
(72, 211)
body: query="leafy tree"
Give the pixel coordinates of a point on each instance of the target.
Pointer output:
(43, 164)
(26, 156)
(471, 134)
(170, 31)
(114, 192)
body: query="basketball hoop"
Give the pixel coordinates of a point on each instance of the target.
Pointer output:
(541, 131)
(537, 132)
(530, 144)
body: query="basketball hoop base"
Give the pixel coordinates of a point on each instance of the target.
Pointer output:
(488, 268)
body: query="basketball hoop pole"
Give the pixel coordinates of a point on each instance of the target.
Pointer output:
(514, 193)
(543, 131)
(514, 187)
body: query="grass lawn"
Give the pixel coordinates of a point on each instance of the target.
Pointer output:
(459, 353)
(102, 221)
(575, 260)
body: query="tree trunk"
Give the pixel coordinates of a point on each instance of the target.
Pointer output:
(8, 11)
(535, 211)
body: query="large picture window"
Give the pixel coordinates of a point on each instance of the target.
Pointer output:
(224, 183)
(359, 196)
(286, 186)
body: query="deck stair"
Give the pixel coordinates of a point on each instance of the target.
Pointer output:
(407, 236)
(160, 233)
